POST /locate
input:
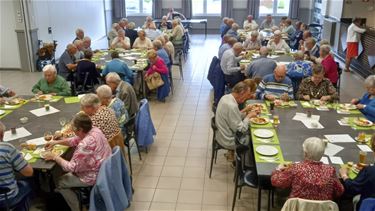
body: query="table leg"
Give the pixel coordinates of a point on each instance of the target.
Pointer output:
(205, 29)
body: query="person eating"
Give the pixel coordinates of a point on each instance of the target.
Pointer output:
(121, 41)
(317, 87)
(51, 83)
(118, 66)
(310, 178)
(177, 33)
(142, 42)
(367, 103)
(5, 92)
(249, 24)
(252, 42)
(91, 149)
(261, 66)
(267, 23)
(149, 23)
(277, 43)
(229, 65)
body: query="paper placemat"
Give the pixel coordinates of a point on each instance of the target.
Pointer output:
(279, 158)
(42, 111)
(257, 140)
(6, 112)
(20, 133)
(69, 100)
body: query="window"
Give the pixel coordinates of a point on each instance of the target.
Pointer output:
(274, 7)
(138, 7)
(206, 7)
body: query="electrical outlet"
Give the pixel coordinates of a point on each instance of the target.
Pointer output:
(49, 30)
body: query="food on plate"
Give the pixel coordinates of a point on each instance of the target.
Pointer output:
(348, 106)
(28, 146)
(363, 122)
(67, 131)
(257, 106)
(318, 102)
(56, 152)
(58, 135)
(15, 101)
(259, 120)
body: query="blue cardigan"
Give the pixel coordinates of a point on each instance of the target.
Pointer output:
(369, 110)
(144, 126)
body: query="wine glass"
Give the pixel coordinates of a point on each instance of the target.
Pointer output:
(62, 121)
(48, 136)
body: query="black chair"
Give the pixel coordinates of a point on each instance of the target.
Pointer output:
(170, 76)
(130, 133)
(215, 145)
(83, 195)
(20, 203)
(338, 84)
(178, 55)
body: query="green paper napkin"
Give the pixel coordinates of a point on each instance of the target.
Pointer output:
(257, 140)
(351, 174)
(6, 113)
(258, 157)
(69, 100)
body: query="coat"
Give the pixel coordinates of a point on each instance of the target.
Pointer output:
(144, 126)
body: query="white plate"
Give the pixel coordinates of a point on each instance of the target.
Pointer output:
(267, 150)
(263, 133)
(348, 106)
(2, 112)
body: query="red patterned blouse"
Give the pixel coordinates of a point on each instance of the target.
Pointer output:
(309, 180)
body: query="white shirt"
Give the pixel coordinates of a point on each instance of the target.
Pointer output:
(142, 44)
(281, 46)
(250, 26)
(118, 44)
(353, 33)
(229, 62)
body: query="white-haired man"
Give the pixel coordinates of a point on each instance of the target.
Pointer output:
(249, 24)
(124, 91)
(67, 62)
(79, 34)
(51, 83)
(229, 65)
(121, 41)
(86, 43)
(5, 92)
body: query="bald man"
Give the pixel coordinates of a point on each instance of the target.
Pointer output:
(276, 86)
(262, 66)
(249, 24)
(67, 62)
(229, 65)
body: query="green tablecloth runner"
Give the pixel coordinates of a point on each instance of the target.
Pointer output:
(351, 173)
(279, 156)
(354, 111)
(256, 140)
(12, 107)
(307, 104)
(6, 113)
(290, 105)
(69, 100)
(36, 156)
(356, 127)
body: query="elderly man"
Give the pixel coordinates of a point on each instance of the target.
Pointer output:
(329, 64)
(12, 161)
(224, 26)
(149, 23)
(158, 47)
(142, 42)
(268, 23)
(262, 66)
(165, 24)
(229, 65)
(275, 86)
(119, 67)
(121, 41)
(229, 119)
(249, 24)
(79, 46)
(114, 32)
(6, 92)
(131, 33)
(67, 62)
(306, 34)
(123, 23)
(277, 43)
(311, 48)
(227, 45)
(289, 29)
(233, 31)
(51, 83)
(86, 43)
(124, 91)
(252, 42)
(91, 148)
(79, 34)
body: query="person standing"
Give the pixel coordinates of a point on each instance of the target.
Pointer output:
(352, 40)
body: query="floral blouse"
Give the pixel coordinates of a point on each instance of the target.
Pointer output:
(120, 111)
(324, 88)
(106, 121)
(309, 180)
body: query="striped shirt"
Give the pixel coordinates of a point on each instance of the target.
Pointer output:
(10, 160)
(270, 86)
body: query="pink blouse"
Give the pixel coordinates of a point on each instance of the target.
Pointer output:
(159, 66)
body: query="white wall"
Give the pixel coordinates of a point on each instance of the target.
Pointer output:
(9, 52)
(65, 16)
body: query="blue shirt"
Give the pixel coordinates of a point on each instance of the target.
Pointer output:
(270, 86)
(10, 160)
(164, 56)
(299, 69)
(120, 67)
(369, 110)
(261, 67)
(222, 49)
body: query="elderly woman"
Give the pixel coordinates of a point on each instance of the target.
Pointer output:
(329, 64)
(233, 31)
(114, 32)
(162, 53)
(177, 33)
(367, 103)
(252, 42)
(165, 24)
(288, 29)
(157, 65)
(363, 184)
(310, 178)
(277, 43)
(142, 42)
(169, 47)
(121, 41)
(51, 83)
(149, 23)
(104, 93)
(91, 149)
(86, 66)
(317, 87)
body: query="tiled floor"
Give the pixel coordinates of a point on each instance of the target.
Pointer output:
(174, 173)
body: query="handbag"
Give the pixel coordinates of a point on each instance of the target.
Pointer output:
(154, 81)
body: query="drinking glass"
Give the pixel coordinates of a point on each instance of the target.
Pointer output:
(361, 137)
(276, 120)
(362, 157)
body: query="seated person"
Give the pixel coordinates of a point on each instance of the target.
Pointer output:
(172, 14)
(79, 45)
(262, 66)
(282, 24)
(233, 31)
(124, 91)
(79, 34)
(228, 44)
(86, 43)
(86, 66)
(169, 47)
(177, 33)
(5, 92)
(131, 33)
(367, 103)
(120, 67)
(165, 24)
(252, 42)
(158, 47)
(310, 48)
(114, 32)
(317, 87)
(276, 86)
(297, 36)
(363, 184)
(229, 65)
(278, 43)
(305, 35)
(228, 25)
(223, 26)
(121, 41)
(229, 119)
(149, 23)
(267, 23)
(91, 148)
(123, 23)
(289, 29)
(12, 161)
(298, 70)
(51, 83)
(142, 42)
(67, 62)
(329, 64)
(249, 24)
(310, 178)
(104, 93)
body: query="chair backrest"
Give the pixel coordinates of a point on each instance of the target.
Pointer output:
(368, 205)
(297, 204)
(130, 124)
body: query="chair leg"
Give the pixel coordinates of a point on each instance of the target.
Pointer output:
(239, 194)
(139, 152)
(269, 200)
(235, 192)
(180, 66)
(212, 161)
(273, 198)
(259, 198)
(215, 155)
(130, 161)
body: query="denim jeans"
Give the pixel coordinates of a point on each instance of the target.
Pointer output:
(21, 201)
